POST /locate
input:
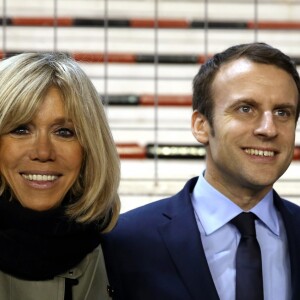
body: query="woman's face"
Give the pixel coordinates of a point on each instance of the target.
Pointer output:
(41, 160)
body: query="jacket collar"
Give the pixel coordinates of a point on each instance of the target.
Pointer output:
(291, 218)
(182, 238)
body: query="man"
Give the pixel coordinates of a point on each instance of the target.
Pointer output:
(246, 107)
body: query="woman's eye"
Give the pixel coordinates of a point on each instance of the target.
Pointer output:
(20, 130)
(65, 132)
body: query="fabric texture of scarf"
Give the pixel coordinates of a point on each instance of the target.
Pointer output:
(40, 245)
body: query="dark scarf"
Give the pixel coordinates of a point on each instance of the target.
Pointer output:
(40, 245)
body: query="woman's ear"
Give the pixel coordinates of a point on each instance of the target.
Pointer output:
(200, 127)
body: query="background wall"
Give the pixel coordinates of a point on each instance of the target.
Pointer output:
(142, 56)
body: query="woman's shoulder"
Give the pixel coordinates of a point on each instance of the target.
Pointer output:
(15, 288)
(89, 282)
(91, 278)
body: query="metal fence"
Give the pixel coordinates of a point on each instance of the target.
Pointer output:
(142, 56)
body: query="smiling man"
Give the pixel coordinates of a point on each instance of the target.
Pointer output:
(227, 235)
(250, 139)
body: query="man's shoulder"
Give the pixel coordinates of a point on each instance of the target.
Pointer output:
(150, 209)
(291, 208)
(148, 217)
(135, 227)
(291, 205)
(141, 219)
(285, 204)
(289, 211)
(171, 204)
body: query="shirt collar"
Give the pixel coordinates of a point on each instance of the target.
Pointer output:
(213, 214)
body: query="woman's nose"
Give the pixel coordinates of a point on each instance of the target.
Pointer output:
(42, 148)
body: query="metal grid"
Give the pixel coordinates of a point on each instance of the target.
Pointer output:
(154, 182)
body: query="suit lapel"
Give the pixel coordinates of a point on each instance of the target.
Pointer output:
(182, 238)
(291, 217)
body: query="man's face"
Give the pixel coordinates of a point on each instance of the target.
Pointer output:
(252, 143)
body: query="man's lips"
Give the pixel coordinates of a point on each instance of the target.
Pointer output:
(260, 152)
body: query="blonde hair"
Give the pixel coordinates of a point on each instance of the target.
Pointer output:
(24, 81)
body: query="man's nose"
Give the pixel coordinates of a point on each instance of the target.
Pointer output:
(266, 126)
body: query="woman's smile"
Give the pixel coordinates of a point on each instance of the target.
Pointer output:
(41, 160)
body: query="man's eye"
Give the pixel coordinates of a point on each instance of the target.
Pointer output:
(245, 109)
(282, 113)
(65, 132)
(20, 130)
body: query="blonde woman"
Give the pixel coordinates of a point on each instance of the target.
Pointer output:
(59, 173)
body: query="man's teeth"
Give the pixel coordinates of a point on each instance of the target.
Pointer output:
(39, 177)
(259, 152)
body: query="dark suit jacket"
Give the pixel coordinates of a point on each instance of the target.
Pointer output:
(155, 251)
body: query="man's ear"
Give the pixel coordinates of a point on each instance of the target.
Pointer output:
(200, 127)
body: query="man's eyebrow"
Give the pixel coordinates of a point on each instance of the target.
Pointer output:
(286, 105)
(241, 101)
(254, 102)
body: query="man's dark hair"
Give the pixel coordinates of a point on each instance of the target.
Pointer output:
(255, 52)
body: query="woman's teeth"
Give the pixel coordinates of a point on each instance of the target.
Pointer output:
(39, 177)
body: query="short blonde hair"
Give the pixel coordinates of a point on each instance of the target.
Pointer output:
(24, 81)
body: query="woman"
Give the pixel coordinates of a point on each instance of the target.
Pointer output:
(59, 175)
